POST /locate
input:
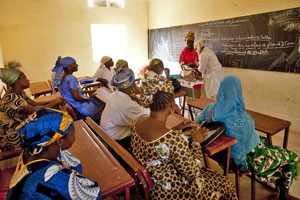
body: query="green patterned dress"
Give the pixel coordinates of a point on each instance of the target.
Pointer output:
(273, 163)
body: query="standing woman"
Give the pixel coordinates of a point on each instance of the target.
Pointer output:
(210, 67)
(69, 87)
(188, 55)
(105, 72)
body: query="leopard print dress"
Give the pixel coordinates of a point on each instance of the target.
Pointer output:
(176, 169)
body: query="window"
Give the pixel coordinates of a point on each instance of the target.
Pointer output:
(106, 3)
(108, 40)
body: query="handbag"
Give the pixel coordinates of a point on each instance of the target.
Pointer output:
(176, 84)
(189, 74)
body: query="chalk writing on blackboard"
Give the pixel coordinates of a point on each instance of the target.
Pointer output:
(268, 41)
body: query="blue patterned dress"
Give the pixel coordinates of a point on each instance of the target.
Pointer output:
(44, 179)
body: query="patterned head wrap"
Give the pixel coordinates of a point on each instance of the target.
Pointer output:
(121, 64)
(42, 128)
(9, 76)
(14, 64)
(104, 60)
(60, 65)
(154, 62)
(190, 36)
(151, 86)
(199, 44)
(123, 78)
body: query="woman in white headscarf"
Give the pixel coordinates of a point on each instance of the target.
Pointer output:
(105, 73)
(210, 67)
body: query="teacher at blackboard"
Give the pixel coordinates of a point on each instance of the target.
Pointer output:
(211, 69)
(188, 55)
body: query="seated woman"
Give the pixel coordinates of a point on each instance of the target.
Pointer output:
(69, 87)
(121, 110)
(15, 106)
(173, 163)
(121, 63)
(45, 169)
(155, 67)
(104, 73)
(272, 165)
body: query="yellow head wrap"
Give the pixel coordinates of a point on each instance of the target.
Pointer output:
(190, 36)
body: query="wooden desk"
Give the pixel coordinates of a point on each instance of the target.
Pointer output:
(181, 93)
(91, 85)
(270, 125)
(103, 93)
(224, 142)
(98, 163)
(88, 85)
(48, 98)
(264, 123)
(40, 88)
(83, 77)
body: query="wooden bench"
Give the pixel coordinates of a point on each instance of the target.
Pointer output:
(98, 163)
(140, 172)
(264, 123)
(6, 174)
(40, 88)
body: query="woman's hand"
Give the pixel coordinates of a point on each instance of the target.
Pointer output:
(199, 134)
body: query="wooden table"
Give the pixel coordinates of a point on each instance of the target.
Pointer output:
(103, 93)
(40, 88)
(98, 163)
(264, 123)
(224, 142)
(48, 98)
(181, 93)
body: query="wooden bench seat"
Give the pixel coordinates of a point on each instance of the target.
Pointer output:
(141, 172)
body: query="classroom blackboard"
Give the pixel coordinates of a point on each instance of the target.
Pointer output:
(267, 41)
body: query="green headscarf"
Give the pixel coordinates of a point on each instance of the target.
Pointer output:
(9, 76)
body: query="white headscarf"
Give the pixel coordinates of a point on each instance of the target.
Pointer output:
(199, 44)
(103, 61)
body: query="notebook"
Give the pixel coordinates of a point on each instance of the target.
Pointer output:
(215, 129)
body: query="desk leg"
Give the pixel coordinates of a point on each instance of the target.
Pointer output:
(183, 106)
(269, 139)
(127, 194)
(191, 112)
(286, 137)
(205, 155)
(227, 162)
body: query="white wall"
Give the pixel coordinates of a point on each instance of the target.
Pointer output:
(37, 32)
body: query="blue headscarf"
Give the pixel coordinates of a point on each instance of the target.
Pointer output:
(42, 128)
(60, 65)
(123, 78)
(230, 109)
